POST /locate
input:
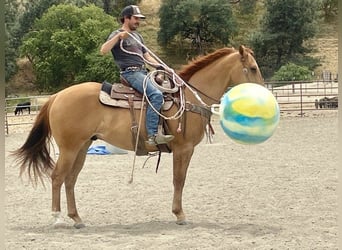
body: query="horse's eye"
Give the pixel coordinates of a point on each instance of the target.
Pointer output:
(254, 69)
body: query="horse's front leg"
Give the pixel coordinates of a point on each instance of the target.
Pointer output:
(181, 160)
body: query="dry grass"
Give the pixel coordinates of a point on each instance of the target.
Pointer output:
(326, 46)
(150, 27)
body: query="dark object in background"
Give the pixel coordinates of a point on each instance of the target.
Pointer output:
(21, 106)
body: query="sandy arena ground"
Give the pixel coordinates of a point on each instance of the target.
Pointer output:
(277, 195)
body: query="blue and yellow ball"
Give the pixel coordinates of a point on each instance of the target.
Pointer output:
(249, 113)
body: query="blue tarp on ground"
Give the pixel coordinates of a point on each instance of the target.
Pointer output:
(105, 150)
(98, 150)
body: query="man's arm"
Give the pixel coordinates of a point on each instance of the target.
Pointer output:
(154, 63)
(150, 60)
(109, 44)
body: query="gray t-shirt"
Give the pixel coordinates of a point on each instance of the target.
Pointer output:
(124, 59)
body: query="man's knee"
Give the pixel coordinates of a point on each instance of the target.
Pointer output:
(158, 96)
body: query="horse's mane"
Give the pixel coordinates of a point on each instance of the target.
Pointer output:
(199, 62)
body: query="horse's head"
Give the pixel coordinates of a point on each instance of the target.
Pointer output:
(245, 69)
(214, 73)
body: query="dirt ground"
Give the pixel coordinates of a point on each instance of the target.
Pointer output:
(280, 194)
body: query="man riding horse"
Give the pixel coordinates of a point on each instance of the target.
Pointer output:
(130, 57)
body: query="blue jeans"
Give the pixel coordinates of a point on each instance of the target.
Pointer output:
(136, 79)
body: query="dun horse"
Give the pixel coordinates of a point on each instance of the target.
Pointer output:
(74, 116)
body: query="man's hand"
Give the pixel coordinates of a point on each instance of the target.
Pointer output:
(166, 68)
(123, 35)
(108, 45)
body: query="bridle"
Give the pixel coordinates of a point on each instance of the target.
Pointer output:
(245, 71)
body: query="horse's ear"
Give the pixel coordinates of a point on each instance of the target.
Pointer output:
(242, 52)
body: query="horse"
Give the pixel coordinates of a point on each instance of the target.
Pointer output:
(74, 116)
(19, 109)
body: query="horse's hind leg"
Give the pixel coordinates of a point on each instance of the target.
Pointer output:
(70, 182)
(63, 167)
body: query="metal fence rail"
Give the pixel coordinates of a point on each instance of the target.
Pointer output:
(300, 96)
(26, 118)
(304, 96)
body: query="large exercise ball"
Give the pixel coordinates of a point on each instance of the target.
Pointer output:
(249, 113)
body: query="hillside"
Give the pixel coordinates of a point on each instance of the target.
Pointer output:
(325, 45)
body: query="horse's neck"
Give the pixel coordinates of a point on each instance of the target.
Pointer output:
(212, 80)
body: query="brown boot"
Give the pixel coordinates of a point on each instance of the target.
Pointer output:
(159, 139)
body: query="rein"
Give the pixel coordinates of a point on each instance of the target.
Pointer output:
(209, 97)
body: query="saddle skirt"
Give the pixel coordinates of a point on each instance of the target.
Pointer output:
(120, 95)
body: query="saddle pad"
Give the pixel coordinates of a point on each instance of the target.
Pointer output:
(107, 100)
(116, 95)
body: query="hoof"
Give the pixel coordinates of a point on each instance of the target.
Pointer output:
(59, 224)
(79, 225)
(181, 222)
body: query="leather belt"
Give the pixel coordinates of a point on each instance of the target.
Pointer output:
(134, 68)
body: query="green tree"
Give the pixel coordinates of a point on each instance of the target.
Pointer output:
(291, 71)
(11, 14)
(17, 26)
(200, 22)
(21, 14)
(247, 6)
(329, 8)
(98, 68)
(284, 29)
(115, 6)
(60, 43)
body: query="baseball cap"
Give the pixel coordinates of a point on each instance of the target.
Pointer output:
(132, 10)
